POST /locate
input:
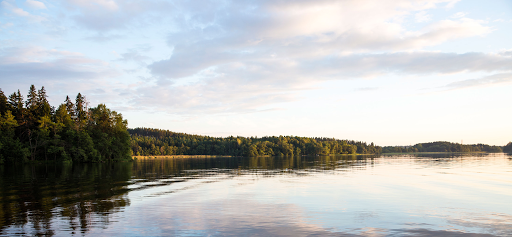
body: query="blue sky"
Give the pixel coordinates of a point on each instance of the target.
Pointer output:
(393, 72)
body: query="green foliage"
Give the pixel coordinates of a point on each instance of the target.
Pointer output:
(34, 130)
(109, 131)
(150, 142)
(4, 104)
(441, 147)
(11, 148)
(508, 148)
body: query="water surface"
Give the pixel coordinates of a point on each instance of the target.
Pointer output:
(406, 195)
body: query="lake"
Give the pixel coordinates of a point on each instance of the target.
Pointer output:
(387, 195)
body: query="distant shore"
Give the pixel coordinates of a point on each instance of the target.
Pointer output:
(213, 156)
(436, 152)
(177, 156)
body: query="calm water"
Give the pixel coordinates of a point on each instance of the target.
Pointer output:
(436, 195)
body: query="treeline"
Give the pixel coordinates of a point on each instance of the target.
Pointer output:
(508, 148)
(150, 142)
(33, 130)
(442, 147)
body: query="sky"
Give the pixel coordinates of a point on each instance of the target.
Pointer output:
(392, 72)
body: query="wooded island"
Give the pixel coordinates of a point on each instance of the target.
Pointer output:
(446, 147)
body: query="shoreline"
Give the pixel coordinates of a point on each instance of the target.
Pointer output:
(228, 156)
(440, 152)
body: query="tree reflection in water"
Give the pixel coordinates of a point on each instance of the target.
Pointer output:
(38, 198)
(47, 199)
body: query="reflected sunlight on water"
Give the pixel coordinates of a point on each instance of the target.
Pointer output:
(441, 195)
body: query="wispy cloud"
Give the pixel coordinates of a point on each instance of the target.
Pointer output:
(282, 80)
(102, 38)
(459, 15)
(506, 52)
(35, 4)
(422, 17)
(136, 55)
(15, 11)
(110, 15)
(34, 65)
(367, 88)
(492, 80)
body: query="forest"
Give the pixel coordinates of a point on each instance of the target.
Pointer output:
(508, 148)
(443, 147)
(33, 130)
(151, 142)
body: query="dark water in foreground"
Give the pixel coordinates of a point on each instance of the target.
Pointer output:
(436, 195)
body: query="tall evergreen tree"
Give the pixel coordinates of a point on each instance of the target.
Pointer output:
(16, 104)
(80, 110)
(4, 104)
(44, 108)
(70, 107)
(31, 103)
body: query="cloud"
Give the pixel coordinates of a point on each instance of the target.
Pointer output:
(101, 38)
(62, 73)
(35, 4)
(255, 84)
(367, 88)
(8, 24)
(14, 9)
(448, 30)
(108, 15)
(211, 97)
(18, 12)
(459, 15)
(451, 4)
(416, 63)
(506, 52)
(135, 55)
(96, 4)
(267, 18)
(294, 31)
(492, 80)
(337, 67)
(34, 65)
(423, 17)
(246, 56)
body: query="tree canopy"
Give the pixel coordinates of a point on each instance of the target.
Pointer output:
(508, 148)
(442, 147)
(148, 141)
(33, 130)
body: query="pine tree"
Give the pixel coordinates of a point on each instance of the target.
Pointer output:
(16, 103)
(81, 110)
(44, 108)
(31, 102)
(70, 107)
(4, 105)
